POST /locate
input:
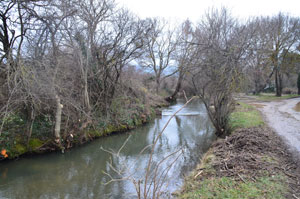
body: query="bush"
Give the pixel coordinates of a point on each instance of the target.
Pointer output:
(289, 91)
(269, 89)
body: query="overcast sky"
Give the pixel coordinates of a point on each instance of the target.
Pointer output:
(179, 10)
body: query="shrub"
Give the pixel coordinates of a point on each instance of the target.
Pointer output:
(289, 91)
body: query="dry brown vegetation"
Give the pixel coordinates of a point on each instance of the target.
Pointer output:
(246, 156)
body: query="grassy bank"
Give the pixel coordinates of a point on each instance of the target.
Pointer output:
(250, 163)
(13, 142)
(245, 116)
(271, 97)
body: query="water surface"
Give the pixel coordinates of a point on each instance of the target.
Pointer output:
(79, 173)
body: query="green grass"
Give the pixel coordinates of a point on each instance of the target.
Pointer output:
(35, 143)
(272, 97)
(245, 116)
(225, 187)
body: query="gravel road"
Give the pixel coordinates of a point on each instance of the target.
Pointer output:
(284, 119)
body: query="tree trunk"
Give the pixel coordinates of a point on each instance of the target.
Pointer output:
(278, 83)
(157, 85)
(172, 98)
(59, 107)
(29, 123)
(85, 76)
(298, 84)
(86, 94)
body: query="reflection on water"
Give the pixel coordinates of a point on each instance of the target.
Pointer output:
(79, 172)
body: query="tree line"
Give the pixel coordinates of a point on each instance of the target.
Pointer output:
(65, 64)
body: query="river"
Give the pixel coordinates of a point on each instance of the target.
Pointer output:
(79, 173)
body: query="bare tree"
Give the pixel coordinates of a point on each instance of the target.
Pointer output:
(11, 24)
(69, 72)
(93, 14)
(12, 32)
(118, 48)
(283, 33)
(50, 16)
(221, 49)
(184, 52)
(160, 46)
(258, 68)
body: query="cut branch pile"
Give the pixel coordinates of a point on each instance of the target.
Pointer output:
(254, 152)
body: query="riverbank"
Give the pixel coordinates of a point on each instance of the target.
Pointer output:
(82, 171)
(253, 162)
(13, 143)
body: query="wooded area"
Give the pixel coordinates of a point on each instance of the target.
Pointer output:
(72, 68)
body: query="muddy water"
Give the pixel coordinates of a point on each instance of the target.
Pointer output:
(79, 173)
(297, 107)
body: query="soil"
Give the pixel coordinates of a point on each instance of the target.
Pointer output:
(254, 152)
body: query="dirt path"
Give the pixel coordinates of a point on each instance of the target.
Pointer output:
(284, 119)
